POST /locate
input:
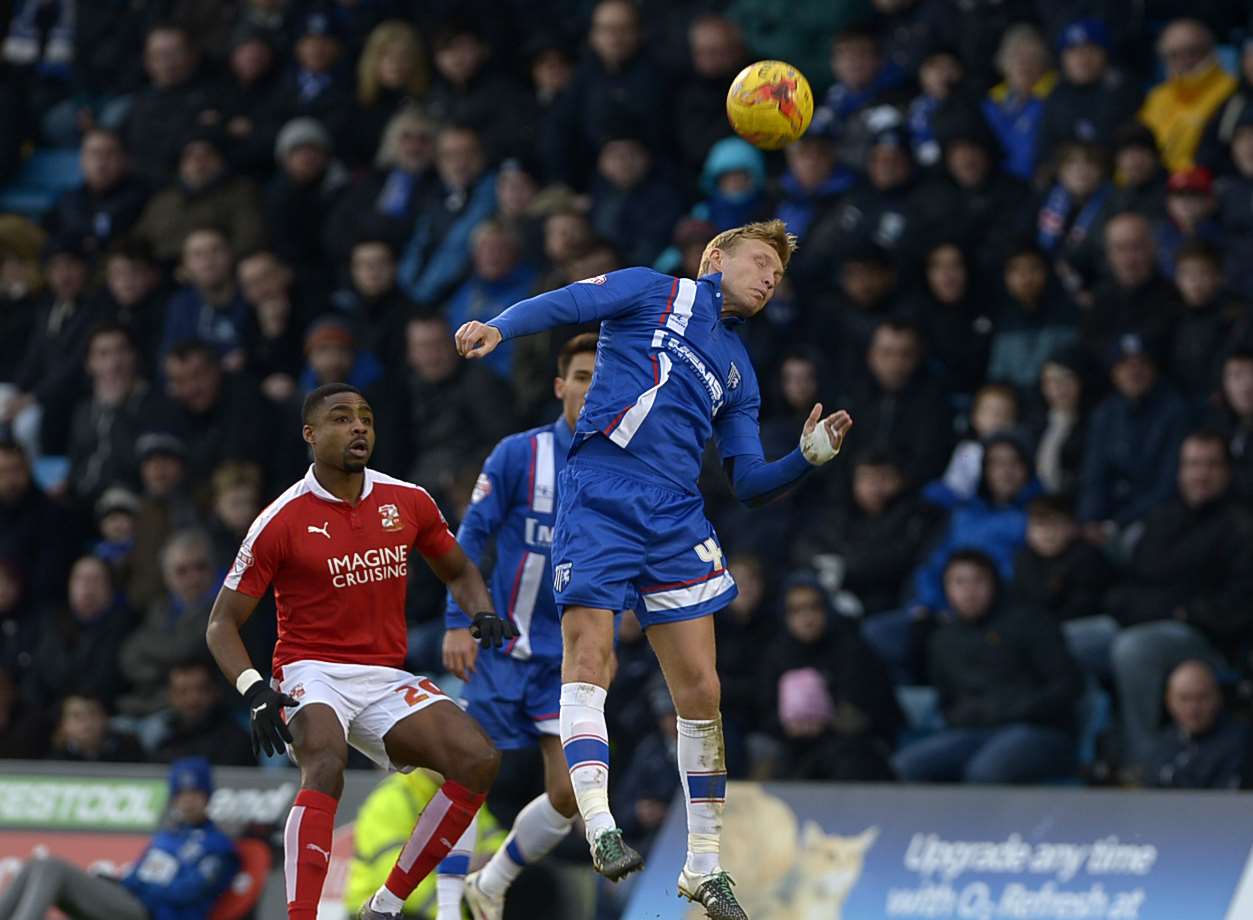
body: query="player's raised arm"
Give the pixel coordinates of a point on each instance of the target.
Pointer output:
(230, 612)
(584, 301)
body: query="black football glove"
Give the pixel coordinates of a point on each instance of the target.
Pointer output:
(491, 630)
(269, 731)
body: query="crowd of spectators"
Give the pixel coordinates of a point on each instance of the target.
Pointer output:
(1025, 268)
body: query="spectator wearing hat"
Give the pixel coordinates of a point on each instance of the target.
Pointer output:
(1131, 467)
(50, 372)
(1014, 108)
(1007, 686)
(1060, 428)
(825, 697)
(110, 199)
(734, 182)
(1211, 319)
(334, 357)
(634, 202)
(1214, 151)
(163, 113)
(1134, 295)
(1235, 208)
(166, 505)
(134, 295)
(466, 89)
(80, 636)
(1092, 98)
(864, 79)
(940, 72)
(1034, 319)
(186, 867)
(1138, 173)
(317, 87)
(618, 78)
(1184, 592)
(1203, 747)
(881, 211)
(242, 100)
(436, 253)
(209, 308)
(385, 202)
(117, 511)
(1195, 86)
(391, 72)
(1190, 212)
(717, 53)
(204, 193)
(301, 196)
(106, 423)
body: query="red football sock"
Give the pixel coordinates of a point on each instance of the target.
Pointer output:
(443, 821)
(307, 851)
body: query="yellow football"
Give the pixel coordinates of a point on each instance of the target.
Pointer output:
(770, 104)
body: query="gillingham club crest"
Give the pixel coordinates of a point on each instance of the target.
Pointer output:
(390, 516)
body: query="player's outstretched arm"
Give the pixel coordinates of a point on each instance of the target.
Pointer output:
(230, 612)
(582, 302)
(465, 584)
(757, 482)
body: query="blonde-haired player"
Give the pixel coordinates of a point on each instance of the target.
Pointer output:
(671, 371)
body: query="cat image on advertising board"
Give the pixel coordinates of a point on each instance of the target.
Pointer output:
(781, 871)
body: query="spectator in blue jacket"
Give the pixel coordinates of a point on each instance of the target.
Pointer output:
(1015, 108)
(210, 308)
(187, 866)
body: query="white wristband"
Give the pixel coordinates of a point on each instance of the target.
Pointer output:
(244, 682)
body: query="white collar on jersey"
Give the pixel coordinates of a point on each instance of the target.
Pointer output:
(312, 484)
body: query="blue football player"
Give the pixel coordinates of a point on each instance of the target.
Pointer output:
(671, 371)
(515, 693)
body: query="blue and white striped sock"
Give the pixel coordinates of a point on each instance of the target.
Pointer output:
(585, 741)
(703, 768)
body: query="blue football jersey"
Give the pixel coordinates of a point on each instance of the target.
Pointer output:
(670, 370)
(515, 501)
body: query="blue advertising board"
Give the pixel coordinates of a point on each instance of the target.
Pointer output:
(857, 852)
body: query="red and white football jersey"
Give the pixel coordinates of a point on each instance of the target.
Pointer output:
(339, 570)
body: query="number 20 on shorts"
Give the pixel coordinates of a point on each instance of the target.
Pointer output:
(413, 695)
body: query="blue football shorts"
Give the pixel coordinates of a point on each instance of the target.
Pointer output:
(620, 542)
(517, 701)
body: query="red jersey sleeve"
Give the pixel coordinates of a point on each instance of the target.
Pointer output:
(434, 538)
(259, 555)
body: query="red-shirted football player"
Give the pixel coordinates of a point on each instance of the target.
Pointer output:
(335, 546)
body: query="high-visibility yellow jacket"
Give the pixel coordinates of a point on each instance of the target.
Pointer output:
(384, 823)
(1176, 111)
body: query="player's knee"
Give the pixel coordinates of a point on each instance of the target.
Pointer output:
(588, 658)
(477, 765)
(698, 698)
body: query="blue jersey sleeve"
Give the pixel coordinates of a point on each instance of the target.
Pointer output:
(602, 297)
(488, 506)
(738, 436)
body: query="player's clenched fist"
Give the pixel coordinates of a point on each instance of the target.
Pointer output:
(269, 732)
(491, 630)
(822, 440)
(477, 340)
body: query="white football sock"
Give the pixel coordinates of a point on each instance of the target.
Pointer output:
(703, 770)
(450, 881)
(538, 828)
(585, 741)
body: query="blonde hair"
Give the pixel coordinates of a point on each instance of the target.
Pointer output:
(406, 116)
(773, 232)
(390, 32)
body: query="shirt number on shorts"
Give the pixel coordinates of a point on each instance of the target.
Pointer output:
(414, 695)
